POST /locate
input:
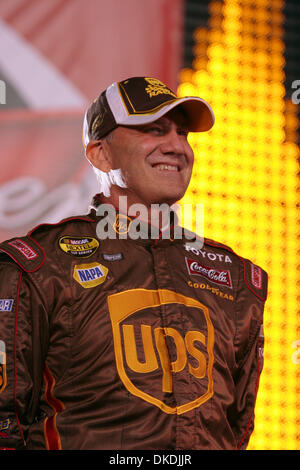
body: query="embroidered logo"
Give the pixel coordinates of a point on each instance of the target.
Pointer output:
(213, 290)
(122, 224)
(112, 256)
(218, 276)
(98, 121)
(144, 349)
(256, 276)
(90, 275)
(23, 248)
(3, 380)
(156, 87)
(211, 256)
(81, 247)
(6, 305)
(4, 424)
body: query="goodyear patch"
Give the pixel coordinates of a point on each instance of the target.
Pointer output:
(90, 275)
(81, 247)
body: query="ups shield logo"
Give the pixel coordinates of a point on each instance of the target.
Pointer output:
(151, 359)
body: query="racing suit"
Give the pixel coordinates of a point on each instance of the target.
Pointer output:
(123, 343)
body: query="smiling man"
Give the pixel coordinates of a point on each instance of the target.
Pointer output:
(137, 129)
(117, 341)
(155, 160)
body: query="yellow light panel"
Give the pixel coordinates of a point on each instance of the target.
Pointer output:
(246, 175)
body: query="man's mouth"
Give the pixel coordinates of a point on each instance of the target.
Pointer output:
(165, 167)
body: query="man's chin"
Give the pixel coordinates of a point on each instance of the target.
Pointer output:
(162, 196)
(168, 198)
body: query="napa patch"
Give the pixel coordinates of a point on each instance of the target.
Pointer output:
(90, 275)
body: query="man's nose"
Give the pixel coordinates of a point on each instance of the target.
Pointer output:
(173, 143)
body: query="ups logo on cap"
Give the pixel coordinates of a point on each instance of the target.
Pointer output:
(148, 367)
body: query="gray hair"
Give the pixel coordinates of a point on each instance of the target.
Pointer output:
(107, 179)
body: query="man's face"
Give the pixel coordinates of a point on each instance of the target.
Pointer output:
(156, 159)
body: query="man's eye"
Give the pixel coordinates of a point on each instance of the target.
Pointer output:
(156, 130)
(184, 132)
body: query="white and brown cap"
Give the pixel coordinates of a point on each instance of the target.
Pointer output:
(141, 100)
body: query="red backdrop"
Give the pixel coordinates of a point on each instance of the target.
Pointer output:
(56, 56)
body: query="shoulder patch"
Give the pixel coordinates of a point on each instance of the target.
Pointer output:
(25, 251)
(256, 279)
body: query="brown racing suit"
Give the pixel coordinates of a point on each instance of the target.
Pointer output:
(126, 344)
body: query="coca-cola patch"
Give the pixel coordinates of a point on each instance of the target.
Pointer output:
(256, 276)
(218, 276)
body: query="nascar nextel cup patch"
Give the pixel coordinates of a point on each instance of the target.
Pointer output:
(81, 247)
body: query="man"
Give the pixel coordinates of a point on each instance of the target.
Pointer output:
(112, 337)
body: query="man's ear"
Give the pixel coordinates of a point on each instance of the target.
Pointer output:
(97, 155)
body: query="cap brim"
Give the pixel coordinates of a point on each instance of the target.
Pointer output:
(200, 115)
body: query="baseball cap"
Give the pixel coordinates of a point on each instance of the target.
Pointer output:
(141, 100)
